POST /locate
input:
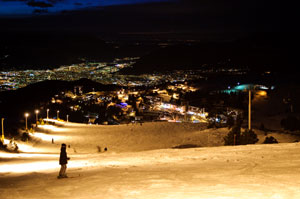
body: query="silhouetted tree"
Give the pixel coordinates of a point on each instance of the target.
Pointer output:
(248, 137)
(290, 123)
(262, 127)
(270, 140)
(230, 122)
(234, 136)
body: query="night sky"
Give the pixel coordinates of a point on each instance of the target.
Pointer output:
(25, 23)
(29, 7)
(138, 16)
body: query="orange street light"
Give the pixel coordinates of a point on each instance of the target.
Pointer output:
(47, 113)
(26, 116)
(2, 138)
(249, 111)
(36, 116)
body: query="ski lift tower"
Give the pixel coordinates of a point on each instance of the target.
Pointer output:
(249, 110)
(2, 138)
(250, 88)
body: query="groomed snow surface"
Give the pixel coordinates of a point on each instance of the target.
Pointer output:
(142, 163)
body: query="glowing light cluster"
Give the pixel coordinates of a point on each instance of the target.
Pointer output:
(5, 141)
(172, 107)
(261, 93)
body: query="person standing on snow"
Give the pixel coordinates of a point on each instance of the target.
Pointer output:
(63, 161)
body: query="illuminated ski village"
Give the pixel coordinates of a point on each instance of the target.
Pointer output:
(148, 99)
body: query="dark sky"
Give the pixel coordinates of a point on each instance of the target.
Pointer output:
(204, 18)
(29, 7)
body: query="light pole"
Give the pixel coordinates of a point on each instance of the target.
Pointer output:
(67, 118)
(249, 111)
(26, 116)
(36, 116)
(57, 115)
(47, 114)
(2, 138)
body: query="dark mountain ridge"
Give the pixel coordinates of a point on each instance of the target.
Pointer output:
(257, 54)
(36, 50)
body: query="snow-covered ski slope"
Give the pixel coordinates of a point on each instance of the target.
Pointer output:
(146, 169)
(84, 138)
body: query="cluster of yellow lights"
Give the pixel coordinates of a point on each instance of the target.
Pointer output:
(183, 87)
(261, 93)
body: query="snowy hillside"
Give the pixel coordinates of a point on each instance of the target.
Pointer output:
(141, 163)
(84, 138)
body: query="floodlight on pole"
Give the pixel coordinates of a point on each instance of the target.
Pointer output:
(47, 114)
(2, 138)
(26, 116)
(36, 116)
(249, 111)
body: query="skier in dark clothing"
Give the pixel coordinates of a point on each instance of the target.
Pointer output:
(63, 161)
